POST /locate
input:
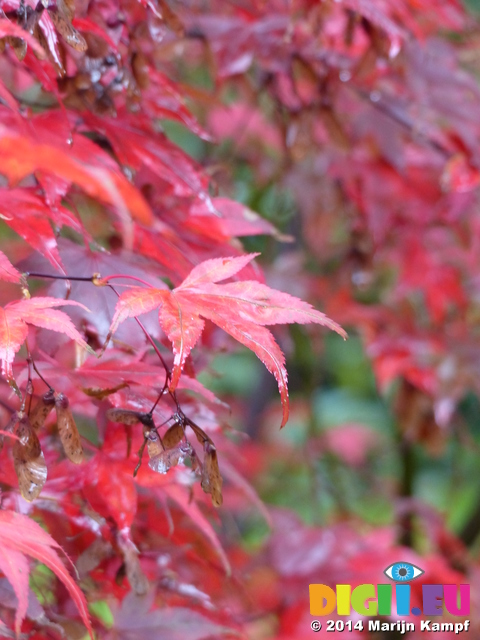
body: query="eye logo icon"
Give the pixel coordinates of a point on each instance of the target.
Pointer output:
(403, 572)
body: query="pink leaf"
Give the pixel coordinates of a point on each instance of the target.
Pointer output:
(216, 270)
(20, 535)
(37, 311)
(15, 567)
(7, 270)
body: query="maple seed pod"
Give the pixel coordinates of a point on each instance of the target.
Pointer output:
(41, 410)
(196, 464)
(211, 479)
(67, 430)
(28, 461)
(124, 416)
(169, 458)
(129, 417)
(154, 444)
(200, 433)
(101, 394)
(173, 436)
(68, 32)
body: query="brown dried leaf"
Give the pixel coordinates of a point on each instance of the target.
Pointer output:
(173, 435)
(28, 461)
(92, 556)
(67, 430)
(140, 70)
(171, 19)
(41, 410)
(137, 579)
(101, 394)
(18, 45)
(68, 32)
(211, 479)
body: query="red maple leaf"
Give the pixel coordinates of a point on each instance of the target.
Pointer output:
(15, 317)
(242, 309)
(21, 537)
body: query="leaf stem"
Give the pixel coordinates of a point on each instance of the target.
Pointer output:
(104, 281)
(40, 375)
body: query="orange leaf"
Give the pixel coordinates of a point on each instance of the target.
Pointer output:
(21, 156)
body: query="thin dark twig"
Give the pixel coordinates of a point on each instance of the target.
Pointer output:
(40, 375)
(158, 399)
(31, 274)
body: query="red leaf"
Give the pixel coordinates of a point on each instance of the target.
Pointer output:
(162, 99)
(88, 166)
(183, 327)
(239, 308)
(27, 215)
(111, 490)
(181, 497)
(18, 536)
(137, 619)
(137, 145)
(216, 270)
(135, 302)
(37, 311)
(263, 344)
(7, 270)
(15, 567)
(89, 26)
(51, 39)
(460, 176)
(235, 219)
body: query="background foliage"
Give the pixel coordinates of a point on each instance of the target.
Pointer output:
(139, 139)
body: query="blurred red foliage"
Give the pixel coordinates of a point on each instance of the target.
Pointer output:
(367, 112)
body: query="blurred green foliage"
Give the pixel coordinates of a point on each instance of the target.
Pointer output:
(473, 5)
